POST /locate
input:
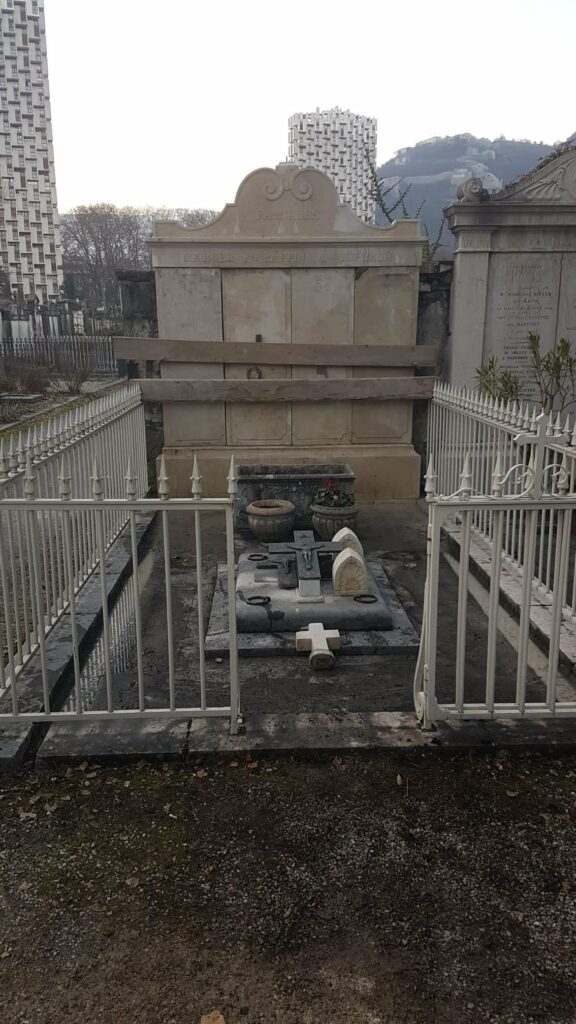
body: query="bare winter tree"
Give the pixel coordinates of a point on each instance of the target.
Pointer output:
(97, 240)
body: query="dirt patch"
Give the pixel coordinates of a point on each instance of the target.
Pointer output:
(369, 889)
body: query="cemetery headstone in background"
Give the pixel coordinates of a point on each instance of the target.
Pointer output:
(514, 271)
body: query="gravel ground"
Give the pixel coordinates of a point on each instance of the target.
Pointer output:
(381, 889)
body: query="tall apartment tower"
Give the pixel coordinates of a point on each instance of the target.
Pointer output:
(30, 249)
(342, 145)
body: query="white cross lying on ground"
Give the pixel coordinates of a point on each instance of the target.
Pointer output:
(318, 641)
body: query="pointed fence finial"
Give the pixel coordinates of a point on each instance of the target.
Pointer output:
(130, 480)
(196, 480)
(465, 488)
(65, 479)
(497, 478)
(96, 478)
(29, 478)
(163, 481)
(232, 480)
(430, 480)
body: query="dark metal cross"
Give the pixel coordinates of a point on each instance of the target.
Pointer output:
(307, 551)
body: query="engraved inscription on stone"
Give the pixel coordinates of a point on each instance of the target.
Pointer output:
(349, 574)
(522, 298)
(518, 313)
(311, 256)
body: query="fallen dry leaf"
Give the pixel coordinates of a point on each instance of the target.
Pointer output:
(233, 764)
(7, 953)
(82, 767)
(50, 808)
(201, 773)
(22, 814)
(212, 1018)
(251, 765)
(91, 775)
(132, 882)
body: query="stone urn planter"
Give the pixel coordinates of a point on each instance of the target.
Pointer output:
(271, 519)
(328, 520)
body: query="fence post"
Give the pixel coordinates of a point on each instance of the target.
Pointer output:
(196, 481)
(232, 634)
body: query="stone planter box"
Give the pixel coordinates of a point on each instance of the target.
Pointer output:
(295, 483)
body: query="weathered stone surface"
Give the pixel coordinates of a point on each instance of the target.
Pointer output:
(514, 272)
(282, 265)
(358, 637)
(349, 574)
(348, 539)
(320, 642)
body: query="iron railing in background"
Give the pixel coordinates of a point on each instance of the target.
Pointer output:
(67, 352)
(53, 460)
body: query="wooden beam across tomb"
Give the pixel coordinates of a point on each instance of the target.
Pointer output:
(301, 390)
(276, 354)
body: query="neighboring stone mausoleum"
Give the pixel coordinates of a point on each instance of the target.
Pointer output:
(287, 334)
(514, 269)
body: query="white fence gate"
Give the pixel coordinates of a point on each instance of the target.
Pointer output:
(507, 483)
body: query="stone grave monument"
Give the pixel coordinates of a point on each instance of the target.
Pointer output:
(514, 270)
(287, 335)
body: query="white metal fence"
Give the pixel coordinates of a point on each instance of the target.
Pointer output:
(69, 351)
(502, 480)
(81, 525)
(467, 432)
(59, 459)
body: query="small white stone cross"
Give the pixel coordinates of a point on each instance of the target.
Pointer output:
(318, 641)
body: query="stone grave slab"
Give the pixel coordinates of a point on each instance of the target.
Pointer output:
(399, 638)
(262, 606)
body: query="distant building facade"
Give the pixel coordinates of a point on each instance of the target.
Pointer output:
(30, 248)
(341, 144)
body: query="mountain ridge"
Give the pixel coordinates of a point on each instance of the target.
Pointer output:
(434, 167)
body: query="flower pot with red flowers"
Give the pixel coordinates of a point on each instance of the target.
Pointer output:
(332, 508)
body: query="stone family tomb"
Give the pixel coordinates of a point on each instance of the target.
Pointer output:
(287, 334)
(514, 270)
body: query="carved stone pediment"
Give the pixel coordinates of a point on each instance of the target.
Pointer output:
(287, 203)
(555, 182)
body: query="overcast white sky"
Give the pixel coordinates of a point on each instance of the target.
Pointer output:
(172, 102)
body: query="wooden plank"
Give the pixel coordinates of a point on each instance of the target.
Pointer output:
(267, 354)
(333, 390)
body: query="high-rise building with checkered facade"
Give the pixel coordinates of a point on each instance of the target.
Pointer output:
(342, 145)
(30, 250)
